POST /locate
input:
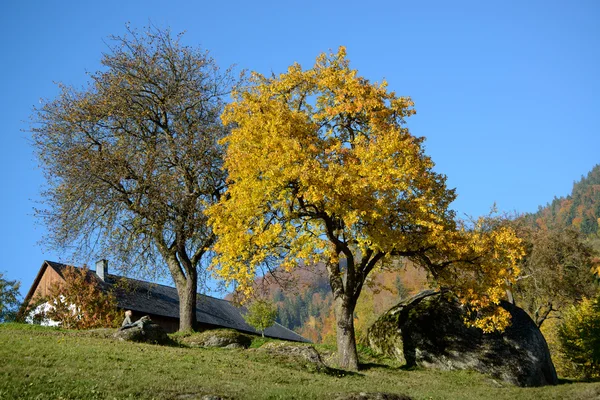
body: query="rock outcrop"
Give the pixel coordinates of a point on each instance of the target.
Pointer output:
(218, 338)
(144, 331)
(298, 353)
(428, 330)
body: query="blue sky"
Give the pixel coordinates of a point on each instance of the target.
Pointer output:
(507, 93)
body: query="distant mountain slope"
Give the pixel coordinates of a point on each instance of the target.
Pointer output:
(581, 209)
(304, 300)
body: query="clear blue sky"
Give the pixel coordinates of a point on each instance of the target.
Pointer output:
(507, 93)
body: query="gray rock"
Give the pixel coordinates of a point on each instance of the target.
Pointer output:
(219, 338)
(219, 341)
(144, 331)
(227, 338)
(428, 330)
(235, 346)
(296, 352)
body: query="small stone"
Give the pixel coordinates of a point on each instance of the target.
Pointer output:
(235, 346)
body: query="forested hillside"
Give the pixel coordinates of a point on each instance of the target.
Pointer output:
(560, 270)
(581, 209)
(304, 300)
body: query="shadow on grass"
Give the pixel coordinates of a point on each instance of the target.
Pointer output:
(407, 367)
(172, 343)
(375, 365)
(569, 381)
(338, 373)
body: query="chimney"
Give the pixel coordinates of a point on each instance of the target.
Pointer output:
(102, 269)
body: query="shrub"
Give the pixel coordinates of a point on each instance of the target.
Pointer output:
(580, 337)
(564, 366)
(80, 303)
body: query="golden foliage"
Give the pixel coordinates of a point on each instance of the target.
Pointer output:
(321, 167)
(579, 336)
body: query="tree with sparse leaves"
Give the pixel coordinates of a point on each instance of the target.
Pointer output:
(261, 315)
(322, 168)
(9, 299)
(556, 270)
(132, 160)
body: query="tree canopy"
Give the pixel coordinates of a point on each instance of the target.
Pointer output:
(132, 159)
(557, 270)
(261, 315)
(9, 298)
(579, 335)
(322, 168)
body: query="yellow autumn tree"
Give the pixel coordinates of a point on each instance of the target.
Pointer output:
(322, 168)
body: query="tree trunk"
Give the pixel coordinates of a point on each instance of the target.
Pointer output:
(186, 281)
(187, 304)
(346, 341)
(509, 294)
(510, 297)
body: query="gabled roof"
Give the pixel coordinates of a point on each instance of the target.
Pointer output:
(152, 298)
(36, 282)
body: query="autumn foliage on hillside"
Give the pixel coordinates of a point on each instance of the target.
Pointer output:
(581, 209)
(304, 300)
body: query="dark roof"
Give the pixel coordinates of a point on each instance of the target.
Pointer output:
(153, 298)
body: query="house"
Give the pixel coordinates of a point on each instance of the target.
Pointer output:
(160, 302)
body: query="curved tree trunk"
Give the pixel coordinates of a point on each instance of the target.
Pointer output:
(346, 340)
(346, 290)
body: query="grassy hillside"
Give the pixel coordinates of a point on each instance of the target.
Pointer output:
(46, 363)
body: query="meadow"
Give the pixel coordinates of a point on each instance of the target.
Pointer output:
(49, 363)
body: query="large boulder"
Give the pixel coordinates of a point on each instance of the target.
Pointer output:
(428, 330)
(143, 330)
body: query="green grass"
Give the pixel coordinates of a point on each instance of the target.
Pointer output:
(48, 363)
